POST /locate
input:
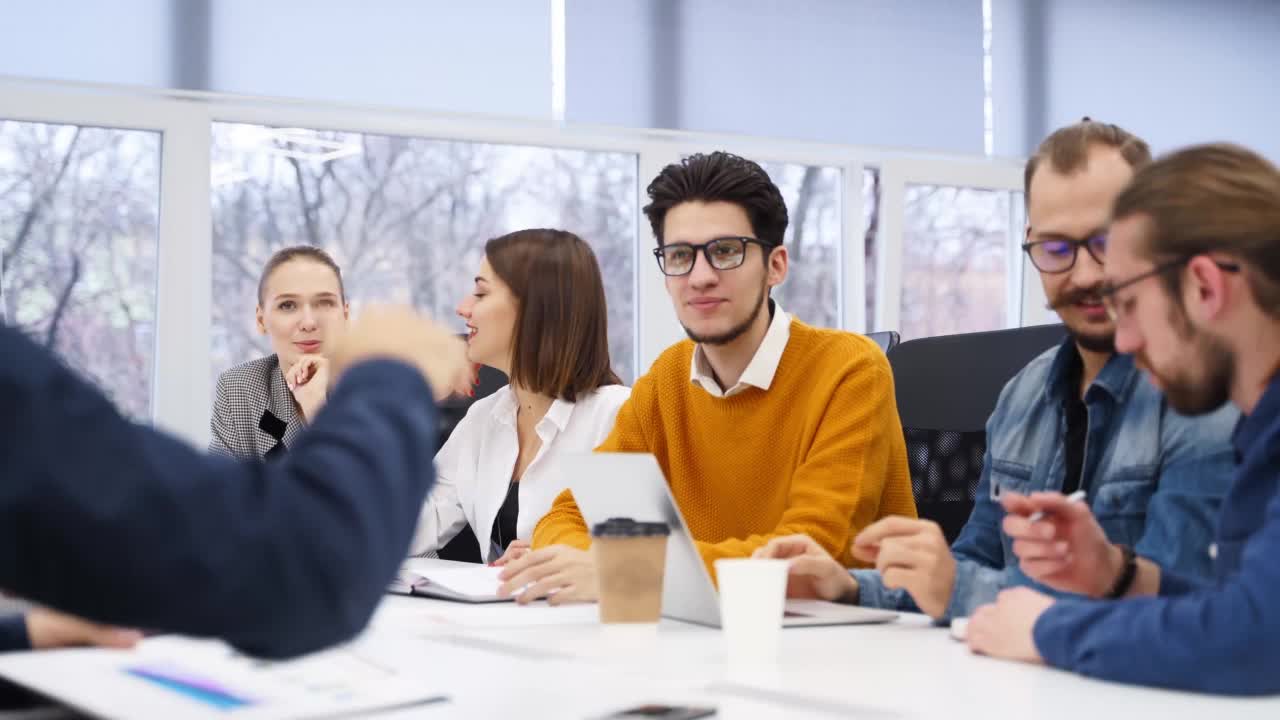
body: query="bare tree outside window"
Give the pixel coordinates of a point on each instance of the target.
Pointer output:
(955, 260)
(79, 210)
(871, 244)
(406, 218)
(812, 289)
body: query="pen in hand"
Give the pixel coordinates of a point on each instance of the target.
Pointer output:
(1037, 516)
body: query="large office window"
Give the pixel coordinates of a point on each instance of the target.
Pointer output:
(955, 260)
(406, 218)
(812, 289)
(79, 208)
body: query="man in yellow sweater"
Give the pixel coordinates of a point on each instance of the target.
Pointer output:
(765, 427)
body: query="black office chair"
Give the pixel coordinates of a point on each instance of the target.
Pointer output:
(463, 546)
(947, 387)
(886, 339)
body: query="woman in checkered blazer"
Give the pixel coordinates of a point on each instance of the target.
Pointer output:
(261, 406)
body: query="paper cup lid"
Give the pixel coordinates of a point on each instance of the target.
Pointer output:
(626, 527)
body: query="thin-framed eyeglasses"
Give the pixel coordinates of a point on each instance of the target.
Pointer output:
(1116, 309)
(725, 253)
(1058, 254)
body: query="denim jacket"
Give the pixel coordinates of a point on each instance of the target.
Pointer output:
(1155, 479)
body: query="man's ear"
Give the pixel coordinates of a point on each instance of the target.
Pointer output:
(1204, 290)
(778, 264)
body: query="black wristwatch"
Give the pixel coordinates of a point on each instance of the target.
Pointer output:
(1127, 574)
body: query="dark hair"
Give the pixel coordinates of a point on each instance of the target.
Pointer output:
(1067, 149)
(1207, 198)
(298, 252)
(561, 342)
(725, 177)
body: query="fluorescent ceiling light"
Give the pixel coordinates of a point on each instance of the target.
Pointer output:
(305, 145)
(298, 144)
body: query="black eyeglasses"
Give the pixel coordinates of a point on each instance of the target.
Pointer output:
(1107, 294)
(1058, 255)
(724, 253)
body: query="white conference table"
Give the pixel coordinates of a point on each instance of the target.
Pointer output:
(527, 663)
(561, 663)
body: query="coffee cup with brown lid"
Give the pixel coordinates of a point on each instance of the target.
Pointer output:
(630, 559)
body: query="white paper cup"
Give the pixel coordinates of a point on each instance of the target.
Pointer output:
(753, 595)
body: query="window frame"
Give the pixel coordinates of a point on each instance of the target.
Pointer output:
(183, 239)
(182, 394)
(896, 175)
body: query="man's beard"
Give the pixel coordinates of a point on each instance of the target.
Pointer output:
(734, 332)
(1217, 360)
(1099, 342)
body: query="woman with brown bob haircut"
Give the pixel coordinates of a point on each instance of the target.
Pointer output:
(537, 313)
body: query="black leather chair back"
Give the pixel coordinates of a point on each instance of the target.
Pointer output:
(947, 387)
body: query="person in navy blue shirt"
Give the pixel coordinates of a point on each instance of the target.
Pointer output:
(1193, 282)
(122, 524)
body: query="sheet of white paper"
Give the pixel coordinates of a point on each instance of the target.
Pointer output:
(180, 677)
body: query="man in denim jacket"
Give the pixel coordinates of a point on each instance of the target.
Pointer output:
(1079, 417)
(1193, 285)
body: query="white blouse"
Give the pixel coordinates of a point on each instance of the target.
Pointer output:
(474, 468)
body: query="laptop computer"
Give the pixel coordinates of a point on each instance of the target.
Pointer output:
(608, 485)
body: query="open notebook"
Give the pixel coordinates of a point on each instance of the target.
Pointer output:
(476, 584)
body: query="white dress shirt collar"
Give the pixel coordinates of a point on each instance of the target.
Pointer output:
(507, 406)
(763, 366)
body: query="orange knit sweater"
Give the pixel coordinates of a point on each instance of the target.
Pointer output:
(820, 453)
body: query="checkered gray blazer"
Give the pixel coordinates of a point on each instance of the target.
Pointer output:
(244, 393)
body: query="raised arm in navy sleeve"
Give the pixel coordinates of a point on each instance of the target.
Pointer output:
(123, 524)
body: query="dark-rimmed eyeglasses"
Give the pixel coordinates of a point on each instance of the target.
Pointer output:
(724, 253)
(1107, 294)
(1058, 255)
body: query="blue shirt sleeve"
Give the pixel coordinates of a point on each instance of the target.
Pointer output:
(122, 524)
(1173, 584)
(1223, 638)
(873, 593)
(13, 633)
